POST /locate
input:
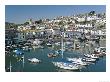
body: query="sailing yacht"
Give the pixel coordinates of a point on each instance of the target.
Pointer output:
(65, 64)
(77, 61)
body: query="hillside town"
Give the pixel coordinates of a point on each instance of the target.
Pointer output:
(84, 32)
(89, 24)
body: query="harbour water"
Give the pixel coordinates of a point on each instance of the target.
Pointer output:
(46, 64)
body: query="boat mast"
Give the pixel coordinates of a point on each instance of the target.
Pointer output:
(23, 61)
(10, 66)
(62, 44)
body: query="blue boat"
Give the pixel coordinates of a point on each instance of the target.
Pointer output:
(18, 52)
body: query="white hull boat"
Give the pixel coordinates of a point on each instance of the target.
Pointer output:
(49, 44)
(58, 43)
(94, 56)
(88, 59)
(66, 66)
(77, 61)
(101, 51)
(34, 60)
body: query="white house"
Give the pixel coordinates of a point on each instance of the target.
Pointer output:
(90, 18)
(81, 19)
(88, 25)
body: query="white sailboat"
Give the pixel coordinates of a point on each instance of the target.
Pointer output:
(77, 61)
(64, 64)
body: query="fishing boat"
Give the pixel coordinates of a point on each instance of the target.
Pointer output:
(34, 60)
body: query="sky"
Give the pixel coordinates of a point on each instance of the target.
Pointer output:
(21, 13)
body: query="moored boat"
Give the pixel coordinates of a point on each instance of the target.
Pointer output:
(68, 65)
(34, 60)
(51, 55)
(77, 61)
(94, 56)
(88, 59)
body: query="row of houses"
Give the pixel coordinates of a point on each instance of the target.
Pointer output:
(13, 36)
(73, 25)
